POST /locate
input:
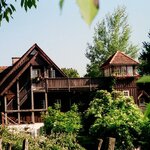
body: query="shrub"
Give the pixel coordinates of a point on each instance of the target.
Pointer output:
(62, 122)
(115, 116)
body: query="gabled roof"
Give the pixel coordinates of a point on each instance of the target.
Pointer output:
(119, 58)
(12, 73)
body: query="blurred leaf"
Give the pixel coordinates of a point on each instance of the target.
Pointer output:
(88, 9)
(22, 2)
(12, 7)
(61, 2)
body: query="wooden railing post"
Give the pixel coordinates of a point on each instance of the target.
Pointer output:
(69, 84)
(0, 143)
(3, 119)
(111, 143)
(25, 144)
(100, 144)
(9, 146)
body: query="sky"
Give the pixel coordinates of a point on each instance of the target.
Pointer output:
(63, 36)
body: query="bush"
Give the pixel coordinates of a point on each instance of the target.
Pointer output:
(61, 141)
(62, 122)
(115, 115)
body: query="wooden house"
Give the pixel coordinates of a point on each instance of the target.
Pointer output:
(33, 83)
(124, 70)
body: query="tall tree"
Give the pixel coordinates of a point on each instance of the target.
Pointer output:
(111, 34)
(144, 58)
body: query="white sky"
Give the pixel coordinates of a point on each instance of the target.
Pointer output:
(64, 36)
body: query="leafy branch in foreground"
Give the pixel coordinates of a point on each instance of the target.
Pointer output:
(88, 8)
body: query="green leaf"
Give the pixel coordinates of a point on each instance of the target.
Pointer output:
(88, 9)
(61, 2)
(12, 7)
(22, 3)
(3, 3)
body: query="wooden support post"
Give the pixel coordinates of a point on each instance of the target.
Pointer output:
(25, 144)
(46, 101)
(100, 144)
(68, 84)
(9, 146)
(111, 143)
(0, 143)
(5, 103)
(32, 97)
(3, 119)
(18, 101)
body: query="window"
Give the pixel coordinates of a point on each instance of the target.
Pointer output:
(126, 93)
(35, 73)
(33, 52)
(52, 73)
(106, 72)
(117, 71)
(129, 70)
(123, 70)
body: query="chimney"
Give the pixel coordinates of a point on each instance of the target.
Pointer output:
(15, 59)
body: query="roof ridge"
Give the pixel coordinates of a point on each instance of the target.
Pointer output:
(113, 57)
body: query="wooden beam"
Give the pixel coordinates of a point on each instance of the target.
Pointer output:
(5, 107)
(46, 101)
(18, 101)
(17, 64)
(19, 74)
(25, 110)
(32, 97)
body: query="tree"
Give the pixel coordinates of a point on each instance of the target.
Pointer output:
(144, 58)
(88, 8)
(70, 72)
(115, 115)
(111, 34)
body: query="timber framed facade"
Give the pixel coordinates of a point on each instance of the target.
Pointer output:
(34, 82)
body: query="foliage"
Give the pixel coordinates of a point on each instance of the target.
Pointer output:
(62, 122)
(7, 8)
(145, 136)
(144, 58)
(70, 72)
(115, 116)
(63, 141)
(144, 79)
(88, 8)
(111, 34)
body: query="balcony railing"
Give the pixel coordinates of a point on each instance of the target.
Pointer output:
(66, 83)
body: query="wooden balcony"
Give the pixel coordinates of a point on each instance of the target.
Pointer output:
(55, 84)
